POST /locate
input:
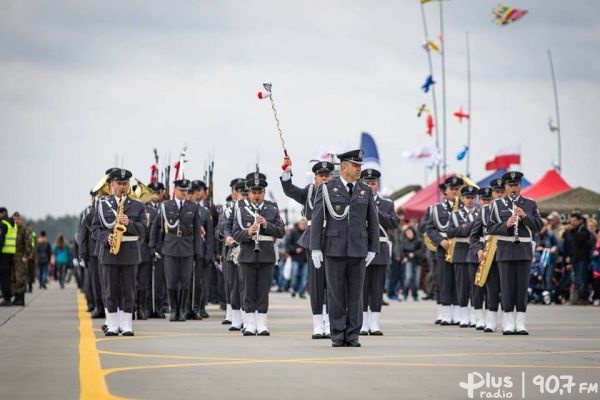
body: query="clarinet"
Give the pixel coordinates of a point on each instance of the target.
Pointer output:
(256, 237)
(516, 227)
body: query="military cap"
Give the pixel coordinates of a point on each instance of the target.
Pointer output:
(512, 177)
(323, 167)
(353, 156)
(468, 191)
(236, 181)
(156, 187)
(108, 171)
(119, 174)
(454, 182)
(256, 183)
(370, 173)
(497, 184)
(485, 193)
(182, 184)
(442, 187)
(241, 186)
(197, 185)
(256, 175)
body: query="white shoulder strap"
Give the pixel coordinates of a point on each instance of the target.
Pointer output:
(327, 203)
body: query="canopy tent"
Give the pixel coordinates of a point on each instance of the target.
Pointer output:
(485, 182)
(549, 184)
(585, 200)
(416, 206)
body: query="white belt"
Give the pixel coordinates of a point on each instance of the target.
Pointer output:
(264, 238)
(383, 239)
(482, 240)
(512, 239)
(130, 238)
(461, 240)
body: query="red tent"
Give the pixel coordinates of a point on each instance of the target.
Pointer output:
(549, 184)
(416, 206)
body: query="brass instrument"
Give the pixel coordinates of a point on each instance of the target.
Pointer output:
(119, 229)
(142, 192)
(450, 251)
(429, 243)
(489, 252)
(101, 188)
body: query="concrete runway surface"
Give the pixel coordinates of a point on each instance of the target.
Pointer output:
(51, 349)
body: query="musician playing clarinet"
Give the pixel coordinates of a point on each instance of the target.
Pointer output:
(515, 219)
(256, 225)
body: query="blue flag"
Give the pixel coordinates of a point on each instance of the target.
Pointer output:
(462, 154)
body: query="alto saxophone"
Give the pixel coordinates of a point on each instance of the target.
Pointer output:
(119, 229)
(450, 252)
(489, 251)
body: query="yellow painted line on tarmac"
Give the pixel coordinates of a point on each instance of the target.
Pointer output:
(172, 356)
(109, 371)
(91, 378)
(417, 364)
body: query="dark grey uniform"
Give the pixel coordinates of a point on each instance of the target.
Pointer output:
(436, 229)
(230, 274)
(87, 252)
(344, 242)
(514, 258)
(460, 229)
(159, 281)
(492, 283)
(375, 273)
(203, 262)
(119, 270)
(317, 286)
(144, 271)
(179, 230)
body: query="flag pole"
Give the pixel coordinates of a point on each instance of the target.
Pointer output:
(556, 110)
(443, 53)
(435, 111)
(468, 106)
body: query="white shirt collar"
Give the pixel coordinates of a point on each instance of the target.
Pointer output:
(346, 183)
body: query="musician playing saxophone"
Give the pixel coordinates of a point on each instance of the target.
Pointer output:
(256, 226)
(118, 270)
(515, 220)
(436, 228)
(477, 240)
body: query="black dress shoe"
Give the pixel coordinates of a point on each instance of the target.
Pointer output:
(173, 316)
(104, 327)
(181, 317)
(376, 333)
(523, 332)
(318, 336)
(248, 333)
(337, 343)
(226, 322)
(353, 343)
(159, 314)
(264, 333)
(438, 321)
(128, 333)
(445, 323)
(141, 315)
(110, 333)
(234, 329)
(488, 330)
(326, 336)
(204, 313)
(364, 333)
(508, 333)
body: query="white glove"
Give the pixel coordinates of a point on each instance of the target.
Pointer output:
(370, 257)
(82, 263)
(75, 262)
(317, 257)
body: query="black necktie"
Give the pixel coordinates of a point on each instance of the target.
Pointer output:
(350, 186)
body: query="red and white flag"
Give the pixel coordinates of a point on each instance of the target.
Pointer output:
(504, 158)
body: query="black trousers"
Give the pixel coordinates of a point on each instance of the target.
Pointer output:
(200, 276)
(232, 284)
(160, 284)
(373, 288)
(6, 261)
(477, 293)
(96, 282)
(317, 287)
(436, 276)
(345, 277)
(144, 284)
(120, 287)
(492, 288)
(514, 281)
(178, 271)
(257, 283)
(446, 281)
(463, 285)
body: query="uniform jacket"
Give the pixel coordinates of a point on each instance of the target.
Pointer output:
(305, 196)
(129, 253)
(177, 230)
(354, 235)
(243, 219)
(145, 251)
(388, 219)
(206, 242)
(87, 244)
(461, 222)
(438, 223)
(527, 227)
(224, 227)
(478, 233)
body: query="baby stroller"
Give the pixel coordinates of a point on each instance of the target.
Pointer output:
(537, 288)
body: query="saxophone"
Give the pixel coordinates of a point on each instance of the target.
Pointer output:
(489, 251)
(450, 252)
(119, 229)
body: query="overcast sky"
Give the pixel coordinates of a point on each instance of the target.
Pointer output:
(83, 83)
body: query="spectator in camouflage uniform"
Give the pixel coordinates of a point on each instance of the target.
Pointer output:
(20, 275)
